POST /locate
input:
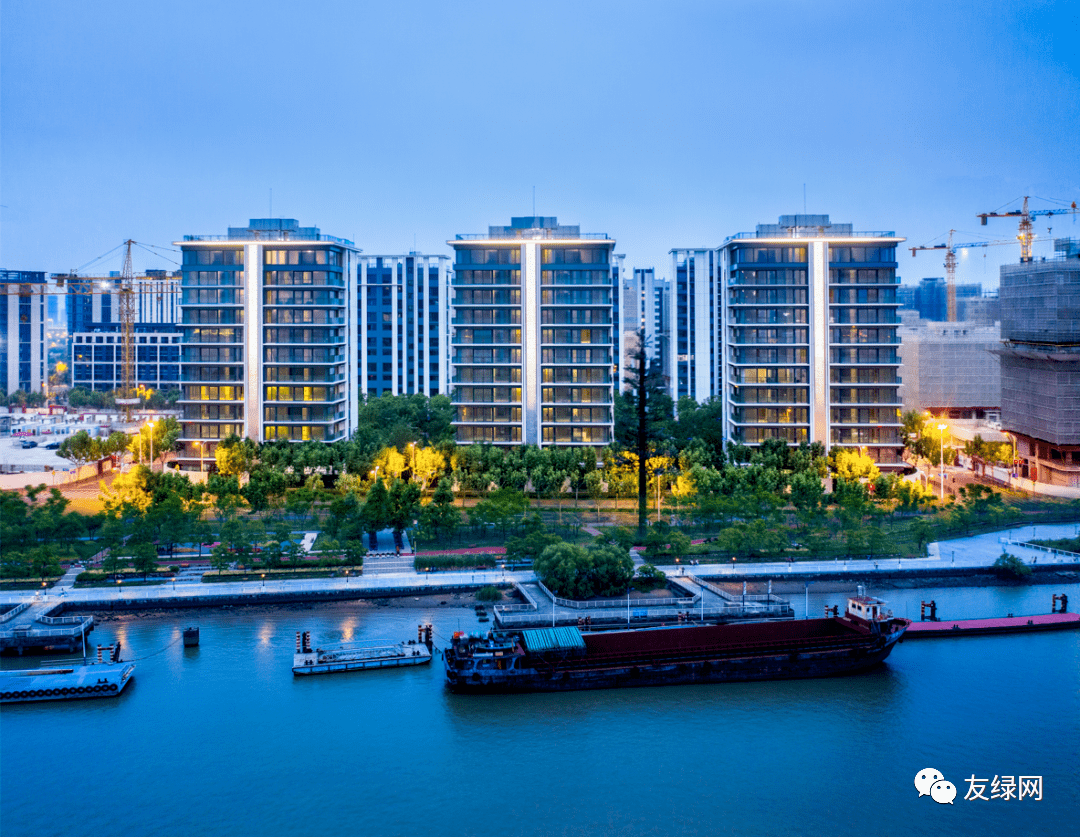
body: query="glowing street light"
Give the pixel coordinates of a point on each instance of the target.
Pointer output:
(150, 426)
(941, 429)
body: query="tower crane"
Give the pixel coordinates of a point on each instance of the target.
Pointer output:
(1026, 236)
(128, 396)
(950, 267)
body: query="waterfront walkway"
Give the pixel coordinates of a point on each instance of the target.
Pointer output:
(977, 552)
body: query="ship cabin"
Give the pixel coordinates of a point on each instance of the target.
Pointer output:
(493, 651)
(868, 609)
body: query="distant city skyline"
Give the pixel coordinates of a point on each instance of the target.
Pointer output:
(669, 127)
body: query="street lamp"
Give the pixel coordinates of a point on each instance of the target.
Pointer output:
(941, 429)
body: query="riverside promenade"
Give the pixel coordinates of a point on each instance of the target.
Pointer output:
(961, 555)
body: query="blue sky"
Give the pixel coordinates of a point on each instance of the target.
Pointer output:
(664, 125)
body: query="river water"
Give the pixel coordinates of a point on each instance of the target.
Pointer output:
(223, 740)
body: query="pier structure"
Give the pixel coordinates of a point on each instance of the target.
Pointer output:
(39, 625)
(695, 599)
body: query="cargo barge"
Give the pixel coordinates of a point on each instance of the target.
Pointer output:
(1000, 625)
(356, 656)
(565, 659)
(106, 678)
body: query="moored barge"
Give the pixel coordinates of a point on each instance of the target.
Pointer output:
(565, 659)
(106, 678)
(356, 656)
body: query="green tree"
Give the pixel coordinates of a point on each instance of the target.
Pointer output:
(80, 449)
(440, 518)
(404, 505)
(113, 562)
(44, 563)
(650, 406)
(235, 456)
(376, 511)
(144, 559)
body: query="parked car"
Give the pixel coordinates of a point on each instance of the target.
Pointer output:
(52, 446)
(28, 443)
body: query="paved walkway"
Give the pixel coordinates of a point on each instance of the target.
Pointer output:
(973, 552)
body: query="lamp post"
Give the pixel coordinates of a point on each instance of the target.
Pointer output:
(941, 429)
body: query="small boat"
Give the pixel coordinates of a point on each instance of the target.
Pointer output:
(105, 678)
(356, 656)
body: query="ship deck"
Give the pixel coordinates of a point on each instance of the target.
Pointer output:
(1000, 625)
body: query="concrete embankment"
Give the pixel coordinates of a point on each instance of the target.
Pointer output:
(900, 579)
(165, 602)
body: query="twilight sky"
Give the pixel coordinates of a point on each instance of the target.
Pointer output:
(664, 125)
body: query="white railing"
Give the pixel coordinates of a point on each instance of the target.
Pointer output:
(66, 620)
(1048, 549)
(612, 603)
(737, 597)
(15, 611)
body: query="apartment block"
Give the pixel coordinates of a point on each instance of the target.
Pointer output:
(403, 314)
(795, 326)
(269, 330)
(22, 331)
(535, 343)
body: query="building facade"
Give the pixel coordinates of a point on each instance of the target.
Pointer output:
(535, 345)
(1040, 364)
(95, 336)
(269, 330)
(795, 326)
(645, 301)
(404, 332)
(951, 369)
(22, 331)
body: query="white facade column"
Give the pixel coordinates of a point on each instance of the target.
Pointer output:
(818, 280)
(530, 338)
(365, 331)
(351, 270)
(253, 331)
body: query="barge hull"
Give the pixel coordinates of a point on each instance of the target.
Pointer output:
(785, 666)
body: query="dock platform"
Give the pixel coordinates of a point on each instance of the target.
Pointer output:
(1001, 625)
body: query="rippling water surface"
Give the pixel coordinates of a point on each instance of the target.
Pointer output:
(223, 740)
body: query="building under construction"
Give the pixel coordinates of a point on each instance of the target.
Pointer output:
(95, 330)
(1040, 364)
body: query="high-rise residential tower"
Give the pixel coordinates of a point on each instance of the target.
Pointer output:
(22, 331)
(403, 304)
(536, 337)
(795, 325)
(269, 334)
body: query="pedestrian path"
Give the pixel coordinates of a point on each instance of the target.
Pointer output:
(397, 574)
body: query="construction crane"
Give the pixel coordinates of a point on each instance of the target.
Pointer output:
(1026, 236)
(950, 267)
(128, 395)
